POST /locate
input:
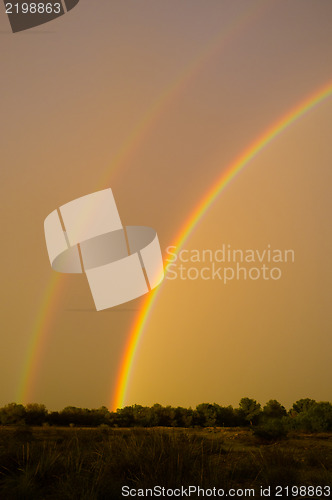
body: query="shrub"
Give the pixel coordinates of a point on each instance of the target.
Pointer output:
(271, 430)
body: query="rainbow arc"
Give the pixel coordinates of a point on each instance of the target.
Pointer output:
(206, 202)
(126, 152)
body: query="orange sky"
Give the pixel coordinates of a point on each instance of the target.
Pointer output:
(72, 92)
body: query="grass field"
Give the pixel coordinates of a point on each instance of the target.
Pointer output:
(88, 464)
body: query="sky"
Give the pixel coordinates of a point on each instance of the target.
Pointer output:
(155, 99)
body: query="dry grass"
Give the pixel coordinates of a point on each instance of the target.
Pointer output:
(52, 463)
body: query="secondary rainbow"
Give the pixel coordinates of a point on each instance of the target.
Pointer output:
(38, 339)
(207, 53)
(135, 139)
(196, 216)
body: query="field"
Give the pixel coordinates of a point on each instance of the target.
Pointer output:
(88, 464)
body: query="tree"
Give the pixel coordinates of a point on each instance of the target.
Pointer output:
(36, 414)
(12, 414)
(125, 416)
(183, 416)
(303, 405)
(142, 415)
(318, 418)
(226, 416)
(76, 416)
(163, 416)
(206, 415)
(250, 409)
(273, 409)
(99, 416)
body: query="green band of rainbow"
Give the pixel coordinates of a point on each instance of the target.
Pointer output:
(118, 400)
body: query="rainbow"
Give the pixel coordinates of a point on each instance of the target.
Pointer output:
(37, 341)
(196, 216)
(145, 125)
(126, 152)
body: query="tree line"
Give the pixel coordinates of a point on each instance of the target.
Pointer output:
(305, 414)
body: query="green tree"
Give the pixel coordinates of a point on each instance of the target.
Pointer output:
(225, 416)
(12, 414)
(250, 410)
(126, 416)
(163, 416)
(35, 414)
(303, 405)
(183, 416)
(273, 409)
(206, 415)
(142, 415)
(318, 418)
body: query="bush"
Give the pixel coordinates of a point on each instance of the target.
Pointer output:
(271, 430)
(318, 418)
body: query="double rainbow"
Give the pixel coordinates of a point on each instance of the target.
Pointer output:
(262, 141)
(140, 132)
